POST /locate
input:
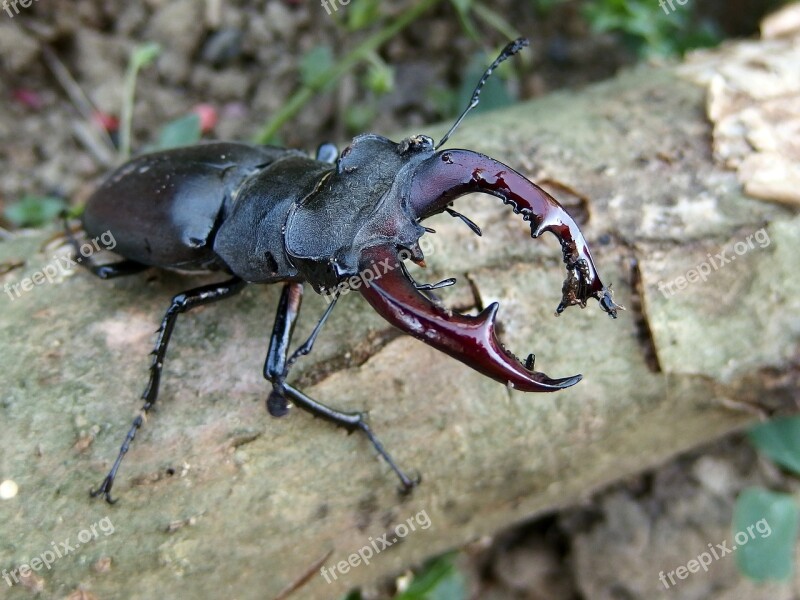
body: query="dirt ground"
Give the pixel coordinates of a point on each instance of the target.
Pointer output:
(242, 58)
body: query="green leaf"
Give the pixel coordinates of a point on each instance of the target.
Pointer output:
(779, 440)
(380, 78)
(34, 211)
(646, 27)
(765, 526)
(143, 55)
(363, 13)
(315, 64)
(180, 132)
(440, 580)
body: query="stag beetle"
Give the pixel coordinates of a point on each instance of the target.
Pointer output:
(264, 214)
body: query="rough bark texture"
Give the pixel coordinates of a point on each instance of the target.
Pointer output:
(254, 502)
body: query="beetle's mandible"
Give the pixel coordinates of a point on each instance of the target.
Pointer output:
(263, 214)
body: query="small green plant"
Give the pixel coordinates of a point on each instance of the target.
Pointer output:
(770, 556)
(314, 66)
(650, 29)
(357, 56)
(183, 131)
(439, 579)
(34, 211)
(140, 58)
(362, 14)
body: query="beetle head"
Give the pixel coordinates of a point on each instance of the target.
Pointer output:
(360, 203)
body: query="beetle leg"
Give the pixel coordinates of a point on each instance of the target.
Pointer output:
(435, 286)
(350, 421)
(275, 365)
(468, 222)
(277, 368)
(180, 304)
(122, 268)
(428, 286)
(308, 345)
(110, 271)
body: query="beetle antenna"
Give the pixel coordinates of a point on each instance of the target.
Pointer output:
(510, 50)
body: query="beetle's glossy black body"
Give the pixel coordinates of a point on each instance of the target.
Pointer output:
(265, 215)
(166, 209)
(248, 210)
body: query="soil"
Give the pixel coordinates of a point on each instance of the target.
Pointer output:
(242, 58)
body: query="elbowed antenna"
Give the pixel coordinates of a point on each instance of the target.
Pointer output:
(510, 50)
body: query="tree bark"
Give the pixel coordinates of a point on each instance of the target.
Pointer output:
(216, 498)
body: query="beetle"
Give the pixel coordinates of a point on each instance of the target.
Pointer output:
(263, 214)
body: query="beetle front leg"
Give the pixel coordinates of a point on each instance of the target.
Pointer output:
(275, 367)
(180, 303)
(279, 362)
(351, 422)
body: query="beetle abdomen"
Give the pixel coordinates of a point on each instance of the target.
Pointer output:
(163, 208)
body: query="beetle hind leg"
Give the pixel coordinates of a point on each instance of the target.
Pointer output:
(181, 303)
(118, 269)
(110, 271)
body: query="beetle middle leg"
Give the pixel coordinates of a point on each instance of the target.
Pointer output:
(277, 368)
(181, 303)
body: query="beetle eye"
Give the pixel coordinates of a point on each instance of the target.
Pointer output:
(416, 143)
